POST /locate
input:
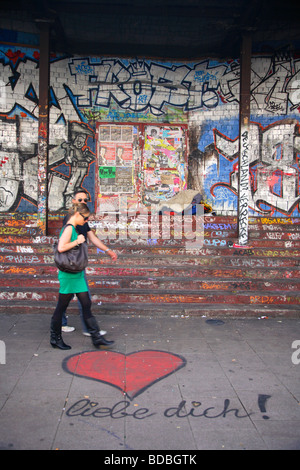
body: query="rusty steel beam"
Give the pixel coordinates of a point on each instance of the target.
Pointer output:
(43, 132)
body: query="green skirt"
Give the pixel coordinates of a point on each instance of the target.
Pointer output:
(72, 283)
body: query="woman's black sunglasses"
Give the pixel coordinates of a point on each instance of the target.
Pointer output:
(84, 217)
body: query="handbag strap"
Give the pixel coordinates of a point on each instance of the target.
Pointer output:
(75, 230)
(71, 226)
(68, 225)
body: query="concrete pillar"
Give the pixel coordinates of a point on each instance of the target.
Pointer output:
(244, 141)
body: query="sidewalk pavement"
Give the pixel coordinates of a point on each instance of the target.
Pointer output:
(168, 384)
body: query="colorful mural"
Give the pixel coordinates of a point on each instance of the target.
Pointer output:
(163, 162)
(204, 96)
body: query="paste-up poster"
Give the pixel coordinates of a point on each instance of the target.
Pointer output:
(163, 158)
(140, 162)
(107, 154)
(115, 159)
(124, 154)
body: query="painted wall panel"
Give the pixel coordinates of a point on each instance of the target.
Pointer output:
(203, 95)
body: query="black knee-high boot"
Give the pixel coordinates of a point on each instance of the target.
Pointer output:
(56, 340)
(93, 329)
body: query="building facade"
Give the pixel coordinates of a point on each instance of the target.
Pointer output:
(134, 133)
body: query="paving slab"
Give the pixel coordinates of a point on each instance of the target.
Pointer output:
(169, 383)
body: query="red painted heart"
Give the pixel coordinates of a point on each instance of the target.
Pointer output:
(131, 373)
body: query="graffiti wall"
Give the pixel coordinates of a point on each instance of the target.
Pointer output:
(203, 96)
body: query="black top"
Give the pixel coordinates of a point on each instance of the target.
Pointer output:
(80, 229)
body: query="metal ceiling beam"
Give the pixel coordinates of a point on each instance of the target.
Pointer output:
(145, 10)
(144, 51)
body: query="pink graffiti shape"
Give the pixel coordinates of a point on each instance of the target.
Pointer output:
(14, 56)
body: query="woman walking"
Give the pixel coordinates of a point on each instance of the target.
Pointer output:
(74, 283)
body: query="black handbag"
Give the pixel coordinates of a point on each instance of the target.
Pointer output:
(71, 261)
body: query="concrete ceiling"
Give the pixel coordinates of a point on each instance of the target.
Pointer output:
(164, 29)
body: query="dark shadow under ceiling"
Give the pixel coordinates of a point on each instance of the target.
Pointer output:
(165, 29)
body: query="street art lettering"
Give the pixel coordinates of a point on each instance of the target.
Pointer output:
(274, 171)
(262, 402)
(181, 411)
(88, 408)
(244, 186)
(93, 90)
(296, 354)
(2, 352)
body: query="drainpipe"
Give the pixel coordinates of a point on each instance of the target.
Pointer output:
(43, 132)
(244, 140)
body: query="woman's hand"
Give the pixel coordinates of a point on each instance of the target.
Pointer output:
(113, 255)
(80, 239)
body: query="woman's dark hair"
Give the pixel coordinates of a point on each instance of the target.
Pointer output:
(79, 207)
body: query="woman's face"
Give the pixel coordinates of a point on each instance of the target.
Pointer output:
(81, 218)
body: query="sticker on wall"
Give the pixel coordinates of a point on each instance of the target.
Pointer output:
(107, 171)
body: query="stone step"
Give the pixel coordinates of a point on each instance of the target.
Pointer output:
(276, 270)
(7, 251)
(30, 245)
(162, 283)
(161, 276)
(29, 261)
(120, 296)
(181, 309)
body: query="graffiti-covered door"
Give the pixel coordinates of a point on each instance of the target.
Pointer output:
(139, 164)
(164, 162)
(118, 150)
